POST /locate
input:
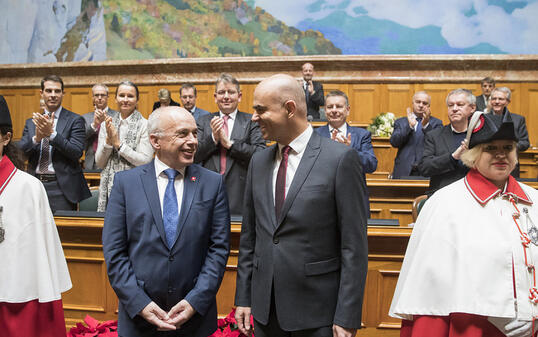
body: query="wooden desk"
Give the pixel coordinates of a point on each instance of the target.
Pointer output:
(92, 294)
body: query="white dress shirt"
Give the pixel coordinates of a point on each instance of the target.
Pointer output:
(162, 182)
(231, 121)
(298, 146)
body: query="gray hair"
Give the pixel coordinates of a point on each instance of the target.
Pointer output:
(227, 78)
(471, 99)
(100, 85)
(154, 123)
(423, 93)
(505, 90)
(337, 93)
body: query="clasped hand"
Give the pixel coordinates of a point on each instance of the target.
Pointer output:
(217, 127)
(168, 321)
(44, 125)
(112, 137)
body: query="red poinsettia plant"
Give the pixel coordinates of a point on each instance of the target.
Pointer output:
(227, 327)
(94, 328)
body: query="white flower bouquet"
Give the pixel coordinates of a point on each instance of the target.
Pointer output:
(382, 125)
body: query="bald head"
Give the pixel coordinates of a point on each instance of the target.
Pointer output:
(280, 108)
(173, 135)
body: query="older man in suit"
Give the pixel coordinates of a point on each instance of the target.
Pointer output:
(444, 146)
(54, 142)
(487, 85)
(303, 248)
(499, 99)
(228, 139)
(313, 91)
(166, 236)
(93, 121)
(408, 135)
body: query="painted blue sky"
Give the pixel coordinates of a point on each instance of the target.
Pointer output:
(416, 26)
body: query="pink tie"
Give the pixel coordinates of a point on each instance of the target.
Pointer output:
(222, 148)
(280, 186)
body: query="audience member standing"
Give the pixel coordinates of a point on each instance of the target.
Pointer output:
(54, 142)
(187, 94)
(165, 99)
(228, 139)
(408, 135)
(444, 146)
(93, 121)
(33, 271)
(313, 91)
(487, 85)
(499, 100)
(303, 252)
(123, 140)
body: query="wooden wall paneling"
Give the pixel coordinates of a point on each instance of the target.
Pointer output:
(78, 100)
(397, 98)
(247, 98)
(530, 110)
(148, 96)
(365, 98)
(204, 97)
(21, 104)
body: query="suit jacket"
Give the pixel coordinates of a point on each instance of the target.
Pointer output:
(199, 113)
(410, 145)
(91, 136)
(67, 149)
(481, 103)
(247, 139)
(314, 256)
(313, 102)
(437, 161)
(140, 265)
(157, 104)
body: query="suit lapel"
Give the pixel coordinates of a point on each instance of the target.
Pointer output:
(215, 158)
(62, 121)
(190, 184)
(305, 166)
(149, 182)
(267, 164)
(447, 137)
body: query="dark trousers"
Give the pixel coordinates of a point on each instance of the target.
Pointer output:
(57, 199)
(273, 329)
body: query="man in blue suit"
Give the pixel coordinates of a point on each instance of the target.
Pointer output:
(408, 135)
(166, 236)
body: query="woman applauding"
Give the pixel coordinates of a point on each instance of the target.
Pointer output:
(123, 141)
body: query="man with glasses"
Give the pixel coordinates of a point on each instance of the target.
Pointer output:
(93, 121)
(227, 139)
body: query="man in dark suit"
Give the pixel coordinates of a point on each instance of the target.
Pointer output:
(337, 109)
(487, 85)
(54, 142)
(444, 146)
(499, 99)
(187, 94)
(166, 236)
(93, 120)
(165, 99)
(228, 139)
(313, 91)
(408, 135)
(303, 248)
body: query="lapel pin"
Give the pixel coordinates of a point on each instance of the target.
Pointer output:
(193, 179)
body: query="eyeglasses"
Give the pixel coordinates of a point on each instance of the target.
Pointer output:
(100, 95)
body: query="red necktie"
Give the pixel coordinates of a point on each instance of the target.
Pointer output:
(280, 187)
(222, 148)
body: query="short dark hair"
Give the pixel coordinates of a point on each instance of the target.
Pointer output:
(187, 85)
(52, 78)
(339, 93)
(489, 80)
(227, 78)
(129, 84)
(10, 150)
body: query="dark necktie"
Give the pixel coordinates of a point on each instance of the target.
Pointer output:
(170, 208)
(280, 186)
(222, 148)
(45, 154)
(96, 140)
